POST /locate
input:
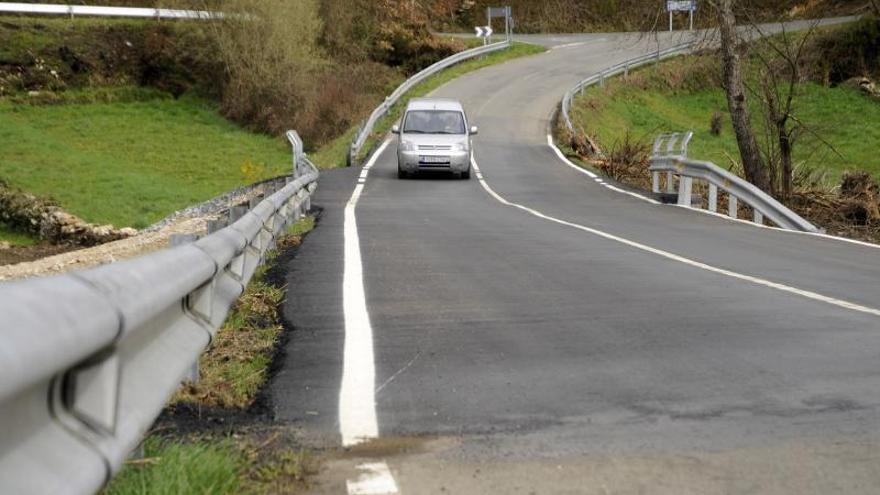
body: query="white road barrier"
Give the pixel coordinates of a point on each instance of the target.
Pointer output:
(103, 11)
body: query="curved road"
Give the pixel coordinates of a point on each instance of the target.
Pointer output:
(535, 331)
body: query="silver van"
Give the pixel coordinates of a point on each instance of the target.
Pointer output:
(434, 135)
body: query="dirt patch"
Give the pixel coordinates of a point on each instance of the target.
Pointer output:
(388, 447)
(102, 254)
(22, 254)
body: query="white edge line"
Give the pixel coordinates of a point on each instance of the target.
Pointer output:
(595, 176)
(681, 259)
(700, 210)
(374, 478)
(357, 399)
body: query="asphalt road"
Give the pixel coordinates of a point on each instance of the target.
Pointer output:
(534, 331)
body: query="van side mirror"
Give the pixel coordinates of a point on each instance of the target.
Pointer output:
(395, 129)
(475, 130)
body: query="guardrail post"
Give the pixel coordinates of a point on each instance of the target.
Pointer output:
(181, 239)
(684, 190)
(713, 197)
(758, 217)
(253, 202)
(215, 225)
(236, 212)
(655, 182)
(732, 209)
(626, 71)
(670, 185)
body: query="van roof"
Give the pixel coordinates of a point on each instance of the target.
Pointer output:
(434, 104)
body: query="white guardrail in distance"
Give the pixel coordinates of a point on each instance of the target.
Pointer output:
(88, 359)
(101, 11)
(621, 68)
(674, 162)
(367, 129)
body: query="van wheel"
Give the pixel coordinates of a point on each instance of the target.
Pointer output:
(466, 175)
(401, 174)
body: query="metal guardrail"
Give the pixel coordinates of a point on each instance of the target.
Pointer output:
(89, 358)
(674, 162)
(367, 129)
(621, 68)
(102, 11)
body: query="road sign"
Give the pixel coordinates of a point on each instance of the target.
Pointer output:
(483, 31)
(499, 12)
(689, 6)
(681, 5)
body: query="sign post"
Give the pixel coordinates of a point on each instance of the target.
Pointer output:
(689, 6)
(505, 12)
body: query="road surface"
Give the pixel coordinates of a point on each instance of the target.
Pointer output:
(533, 330)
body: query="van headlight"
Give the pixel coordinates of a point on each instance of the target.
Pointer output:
(407, 146)
(460, 147)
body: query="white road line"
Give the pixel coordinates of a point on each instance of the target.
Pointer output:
(595, 177)
(681, 259)
(575, 44)
(357, 399)
(373, 479)
(706, 212)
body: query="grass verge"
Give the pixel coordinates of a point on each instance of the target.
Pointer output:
(130, 156)
(214, 465)
(236, 366)
(335, 153)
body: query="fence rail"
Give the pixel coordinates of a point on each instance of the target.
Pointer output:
(103, 11)
(674, 162)
(364, 132)
(89, 358)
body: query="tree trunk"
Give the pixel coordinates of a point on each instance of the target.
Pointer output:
(785, 157)
(753, 165)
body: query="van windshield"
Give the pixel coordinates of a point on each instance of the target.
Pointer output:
(434, 122)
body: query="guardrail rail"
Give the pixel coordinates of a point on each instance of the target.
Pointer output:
(364, 132)
(670, 157)
(89, 358)
(103, 11)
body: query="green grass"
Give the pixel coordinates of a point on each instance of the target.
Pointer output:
(246, 463)
(15, 238)
(130, 162)
(172, 468)
(335, 153)
(842, 116)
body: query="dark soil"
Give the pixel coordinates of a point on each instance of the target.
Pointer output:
(15, 255)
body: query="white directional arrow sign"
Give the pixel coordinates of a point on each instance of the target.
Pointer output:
(483, 31)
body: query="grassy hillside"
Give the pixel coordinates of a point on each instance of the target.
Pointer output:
(839, 115)
(131, 162)
(835, 117)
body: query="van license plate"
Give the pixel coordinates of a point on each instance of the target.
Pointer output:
(434, 159)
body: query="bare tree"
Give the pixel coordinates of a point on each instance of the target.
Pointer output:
(780, 76)
(734, 87)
